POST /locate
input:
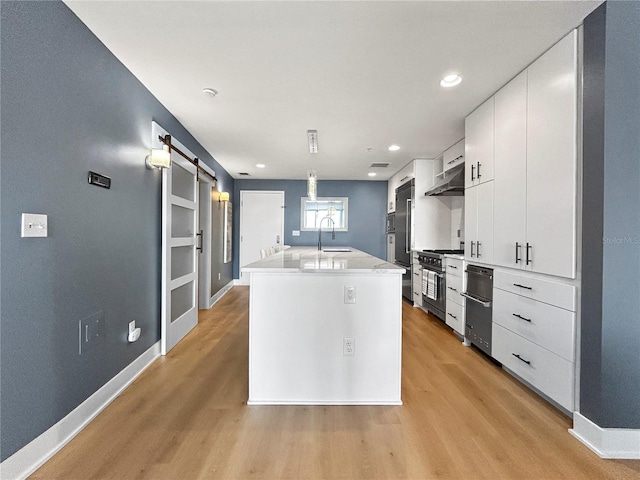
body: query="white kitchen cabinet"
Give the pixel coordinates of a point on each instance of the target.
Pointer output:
(536, 165)
(416, 281)
(552, 160)
(455, 309)
(453, 156)
(479, 144)
(510, 173)
(478, 220)
(403, 175)
(534, 332)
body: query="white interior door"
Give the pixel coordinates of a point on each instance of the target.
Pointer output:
(261, 224)
(179, 267)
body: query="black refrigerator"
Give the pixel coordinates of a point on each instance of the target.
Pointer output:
(404, 199)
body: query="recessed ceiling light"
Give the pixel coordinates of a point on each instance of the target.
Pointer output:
(372, 174)
(394, 148)
(260, 165)
(451, 80)
(210, 91)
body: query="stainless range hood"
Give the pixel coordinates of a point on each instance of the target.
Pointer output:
(452, 183)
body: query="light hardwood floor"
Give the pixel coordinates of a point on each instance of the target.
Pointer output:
(463, 417)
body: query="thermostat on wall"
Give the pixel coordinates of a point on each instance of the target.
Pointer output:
(99, 180)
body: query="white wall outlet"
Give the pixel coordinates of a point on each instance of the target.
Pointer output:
(34, 225)
(295, 233)
(348, 346)
(349, 294)
(134, 333)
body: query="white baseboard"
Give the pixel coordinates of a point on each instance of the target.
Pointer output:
(33, 455)
(619, 443)
(240, 282)
(220, 293)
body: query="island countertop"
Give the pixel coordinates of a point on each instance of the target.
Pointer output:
(311, 260)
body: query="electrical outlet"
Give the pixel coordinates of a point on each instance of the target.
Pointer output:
(219, 275)
(348, 346)
(349, 294)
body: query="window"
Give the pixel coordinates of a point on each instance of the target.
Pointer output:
(313, 212)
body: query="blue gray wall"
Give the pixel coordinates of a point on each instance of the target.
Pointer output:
(610, 325)
(367, 213)
(69, 106)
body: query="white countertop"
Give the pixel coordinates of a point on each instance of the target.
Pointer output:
(454, 255)
(310, 260)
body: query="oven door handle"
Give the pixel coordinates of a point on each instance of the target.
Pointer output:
(484, 304)
(439, 275)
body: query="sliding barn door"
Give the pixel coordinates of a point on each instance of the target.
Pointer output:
(179, 241)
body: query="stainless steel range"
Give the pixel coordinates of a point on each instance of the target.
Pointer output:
(434, 281)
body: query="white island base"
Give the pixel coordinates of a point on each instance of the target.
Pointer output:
(299, 323)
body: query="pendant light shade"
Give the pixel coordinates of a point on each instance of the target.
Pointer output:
(312, 185)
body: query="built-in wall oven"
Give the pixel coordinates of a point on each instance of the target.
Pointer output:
(479, 309)
(434, 281)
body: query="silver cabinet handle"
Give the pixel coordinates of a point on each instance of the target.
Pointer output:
(484, 304)
(451, 288)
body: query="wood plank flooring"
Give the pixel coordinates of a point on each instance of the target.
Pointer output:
(463, 417)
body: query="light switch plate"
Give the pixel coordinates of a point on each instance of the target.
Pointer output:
(91, 331)
(34, 225)
(295, 233)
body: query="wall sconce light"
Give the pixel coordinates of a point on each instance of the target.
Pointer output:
(160, 158)
(224, 197)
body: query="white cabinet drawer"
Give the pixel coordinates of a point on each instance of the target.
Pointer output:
(454, 288)
(546, 371)
(454, 266)
(554, 293)
(455, 316)
(548, 326)
(417, 297)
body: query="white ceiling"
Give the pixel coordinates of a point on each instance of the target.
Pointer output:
(364, 74)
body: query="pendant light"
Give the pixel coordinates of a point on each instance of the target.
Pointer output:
(312, 178)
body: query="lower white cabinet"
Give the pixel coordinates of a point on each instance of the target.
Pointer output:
(534, 324)
(546, 371)
(416, 282)
(455, 310)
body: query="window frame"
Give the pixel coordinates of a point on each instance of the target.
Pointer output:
(303, 210)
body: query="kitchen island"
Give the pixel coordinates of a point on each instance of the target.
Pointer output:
(325, 328)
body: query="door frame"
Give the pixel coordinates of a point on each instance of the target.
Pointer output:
(242, 281)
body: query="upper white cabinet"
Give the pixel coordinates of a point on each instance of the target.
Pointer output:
(552, 160)
(478, 144)
(453, 156)
(535, 165)
(510, 171)
(403, 175)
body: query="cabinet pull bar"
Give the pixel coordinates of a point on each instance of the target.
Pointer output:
(528, 362)
(451, 288)
(472, 176)
(478, 172)
(478, 250)
(518, 259)
(521, 317)
(453, 266)
(452, 316)
(472, 243)
(529, 257)
(522, 286)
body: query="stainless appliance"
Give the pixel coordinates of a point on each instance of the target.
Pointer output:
(479, 308)
(434, 281)
(404, 198)
(452, 183)
(391, 223)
